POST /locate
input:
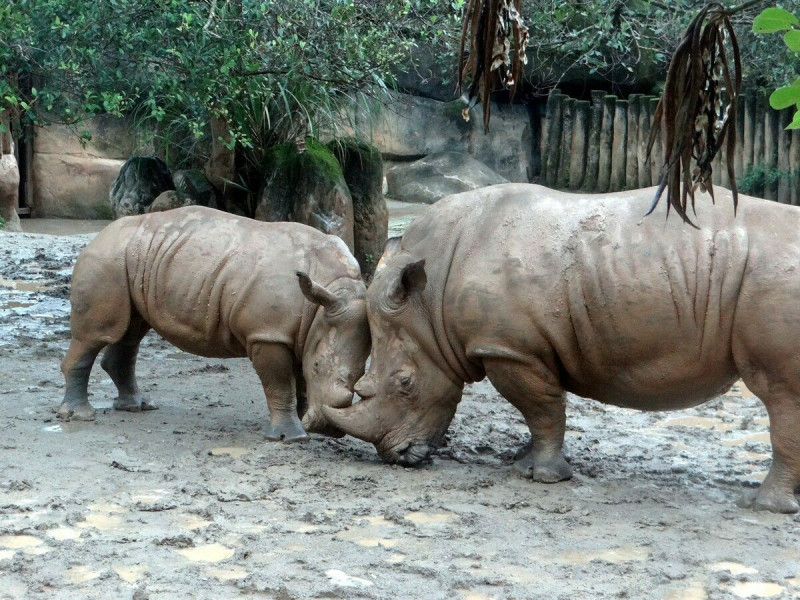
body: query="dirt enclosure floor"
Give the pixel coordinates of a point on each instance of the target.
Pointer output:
(190, 501)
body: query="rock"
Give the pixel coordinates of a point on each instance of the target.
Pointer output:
(73, 187)
(438, 175)
(169, 200)
(362, 167)
(306, 187)
(192, 183)
(411, 127)
(9, 192)
(141, 179)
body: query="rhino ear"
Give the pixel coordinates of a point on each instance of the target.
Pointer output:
(317, 294)
(412, 279)
(390, 248)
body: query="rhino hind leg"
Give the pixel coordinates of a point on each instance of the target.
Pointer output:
(119, 361)
(534, 391)
(77, 366)
(274, 365)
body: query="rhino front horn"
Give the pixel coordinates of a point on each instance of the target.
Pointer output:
(356, 420)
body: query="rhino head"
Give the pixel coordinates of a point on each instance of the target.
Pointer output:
(408, 396)
(336, 348)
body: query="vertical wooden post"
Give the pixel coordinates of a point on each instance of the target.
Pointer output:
(739, 151)
(548, 131)
(553, 151)
(771, 131)
(758, 139)
(606, 138)
(657, 156)
(643, 164)
(632, 142)
(567, 122)
(593, 147)
(619, 149)
(580, 135)
(784, 156)
(794, 167)
(749, 133)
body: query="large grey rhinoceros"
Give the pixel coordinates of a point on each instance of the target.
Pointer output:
(223, 286)
(546, 292)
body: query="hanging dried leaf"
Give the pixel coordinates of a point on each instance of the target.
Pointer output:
(697, 111)
(493, 28)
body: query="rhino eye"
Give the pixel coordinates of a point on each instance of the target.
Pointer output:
(405, 381)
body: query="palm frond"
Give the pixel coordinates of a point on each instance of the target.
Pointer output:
(697, 112)
(491, 27)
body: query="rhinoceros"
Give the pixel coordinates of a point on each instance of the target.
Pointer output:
(222, 286)
(545, 292)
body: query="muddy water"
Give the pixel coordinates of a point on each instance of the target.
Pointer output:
(190, 501)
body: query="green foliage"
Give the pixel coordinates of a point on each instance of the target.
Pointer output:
(776, 20)
(758, 176)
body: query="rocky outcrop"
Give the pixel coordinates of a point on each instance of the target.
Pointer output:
(140, 181)
(192, 183)
(412, 127)
(438, 175)
(169, 200)
(362, 167)
(306, 185)
(71, 177)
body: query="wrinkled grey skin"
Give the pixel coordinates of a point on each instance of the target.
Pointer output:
(285, 295)
(546, 292)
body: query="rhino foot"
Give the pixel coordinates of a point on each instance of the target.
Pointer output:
(769, 500)
(286, 429)
(134, 403)
(76, 412)
(543, 470)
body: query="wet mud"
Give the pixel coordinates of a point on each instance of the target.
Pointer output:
(191, 501)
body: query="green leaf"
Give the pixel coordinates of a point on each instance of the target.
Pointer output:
(792, 39)
(784, 97)
(772, 20)
(795, 124)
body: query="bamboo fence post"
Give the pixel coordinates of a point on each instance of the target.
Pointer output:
(749, 133)
(739, 125)
(657, 156)
(758, 140)
(794, 167)
(606, 137)
(619, 148)
(784, 152)
(593, 148)
(632, 141)
(643, 165)
(771, 132)
(550, 131)
(567, 122)
(580, 135)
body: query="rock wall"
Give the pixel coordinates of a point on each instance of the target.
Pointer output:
(411, 127)
(71, 180)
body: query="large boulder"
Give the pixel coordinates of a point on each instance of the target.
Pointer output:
(140, 181)
(193, 184)
(362, 167)
(169, 200)
(410, 127)
(306, 185)
(438, 175)
(9, 178)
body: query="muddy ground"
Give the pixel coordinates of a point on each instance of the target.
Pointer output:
(190, 502)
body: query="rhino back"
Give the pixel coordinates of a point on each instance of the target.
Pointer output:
(625, 309)
(211, 283)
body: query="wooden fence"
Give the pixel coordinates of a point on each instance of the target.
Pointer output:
(601, 146)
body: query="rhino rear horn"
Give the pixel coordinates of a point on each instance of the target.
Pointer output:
(318, 294)
(412, 279)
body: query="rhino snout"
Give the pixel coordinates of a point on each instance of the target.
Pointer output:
(411, 455)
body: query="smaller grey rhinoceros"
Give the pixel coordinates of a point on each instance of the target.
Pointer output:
(545, 292)
(222, 286)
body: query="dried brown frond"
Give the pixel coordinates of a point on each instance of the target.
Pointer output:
(697, 111)
(493, 28)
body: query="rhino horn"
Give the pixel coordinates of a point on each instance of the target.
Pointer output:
(357, 420)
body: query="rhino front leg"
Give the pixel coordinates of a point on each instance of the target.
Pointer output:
(274, 365)
(119, 361)
(76, 367)
(535, 392)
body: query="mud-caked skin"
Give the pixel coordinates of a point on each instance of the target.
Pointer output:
(285, 295)
(546, 292)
